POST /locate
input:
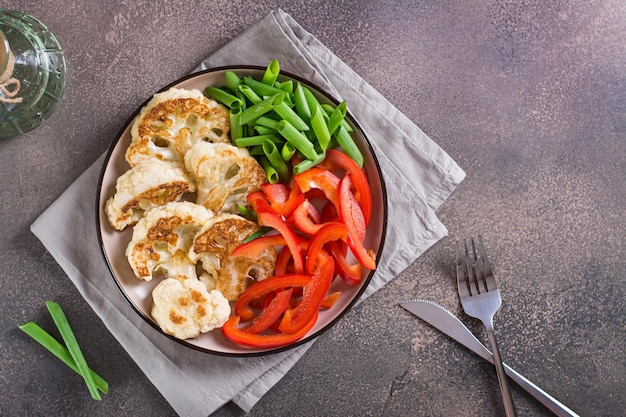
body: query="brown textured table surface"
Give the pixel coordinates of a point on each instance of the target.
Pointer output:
(528, 97)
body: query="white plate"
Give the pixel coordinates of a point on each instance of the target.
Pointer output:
(138, 293)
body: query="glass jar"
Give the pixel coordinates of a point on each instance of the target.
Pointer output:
(32, 73)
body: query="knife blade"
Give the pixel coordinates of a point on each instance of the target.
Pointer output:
(443, 320)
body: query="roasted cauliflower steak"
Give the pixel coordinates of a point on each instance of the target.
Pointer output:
(224, 175)
(172, 122)
(148, 184)
(213, 246)
(162, 238)
(184, 309)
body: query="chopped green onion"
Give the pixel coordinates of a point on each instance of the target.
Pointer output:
(247, 213)
(271, 72)
(57, 349)
(262, 231)
(232, 81)
(72, 346)
(223, 96)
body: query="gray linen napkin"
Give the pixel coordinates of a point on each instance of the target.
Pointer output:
(195, 383)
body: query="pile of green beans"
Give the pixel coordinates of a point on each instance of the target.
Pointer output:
(278, 120)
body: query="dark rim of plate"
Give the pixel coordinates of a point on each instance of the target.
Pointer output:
(364, 284)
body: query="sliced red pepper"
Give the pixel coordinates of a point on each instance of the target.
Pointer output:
(307, 218)
(283, 261)
(282, 198)
(352, 216)
(329, 213)
(256, 196)
(329, 232)
(261, 288)
(270, 313)
(254, 248)
(236, 335)
(330, 300)
(269, 217)
(321, 179)
(338, 160)
(351, 274)
(314, 293)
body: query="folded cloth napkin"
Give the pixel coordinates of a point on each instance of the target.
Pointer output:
(196, 383)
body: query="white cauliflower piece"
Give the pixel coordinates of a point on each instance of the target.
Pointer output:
(148, 184)
(213, 246)
(173, 121)
(224, 175)
(184, 309)
(162, 238)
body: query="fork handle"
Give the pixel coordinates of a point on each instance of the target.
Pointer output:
(507, 398)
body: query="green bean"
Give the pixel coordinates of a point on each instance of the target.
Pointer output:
(57, 349)
(287, 113)
(255, 111)
(287, 151)
(222, 96)
(265, 90)
(232, 81)
(270, 171)
(274, 157)
(271, 72)
(249, 94)
(302, 107)
(318, 123)
(59, 318)
(297, 139)
(308, 163)
(349, 147)
(236, 130)
(249, 141)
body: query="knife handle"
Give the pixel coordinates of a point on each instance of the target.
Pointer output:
(550, 402)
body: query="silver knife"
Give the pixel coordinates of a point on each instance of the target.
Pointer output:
(440, 318)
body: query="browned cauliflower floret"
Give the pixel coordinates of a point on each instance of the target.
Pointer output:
(213, 245)
(172, 122)
(184, 309)
(148, 184)
(162, 239)
(224, 175)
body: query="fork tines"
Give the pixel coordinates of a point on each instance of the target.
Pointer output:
(473, 269)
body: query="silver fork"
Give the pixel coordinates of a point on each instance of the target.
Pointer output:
(480, 298)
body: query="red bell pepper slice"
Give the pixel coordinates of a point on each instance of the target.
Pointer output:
(352, 216)
(329, 232)
(321, 179)
(269, 217)
(330, 300)
(338, 160)
(260, 288)
(314, 293)
(329, 213)
(284, 258)
(256, 196)
(307, 218)
(254, 248)
(270, 313)
(351, 274)
(241, 337)
(282, 198)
